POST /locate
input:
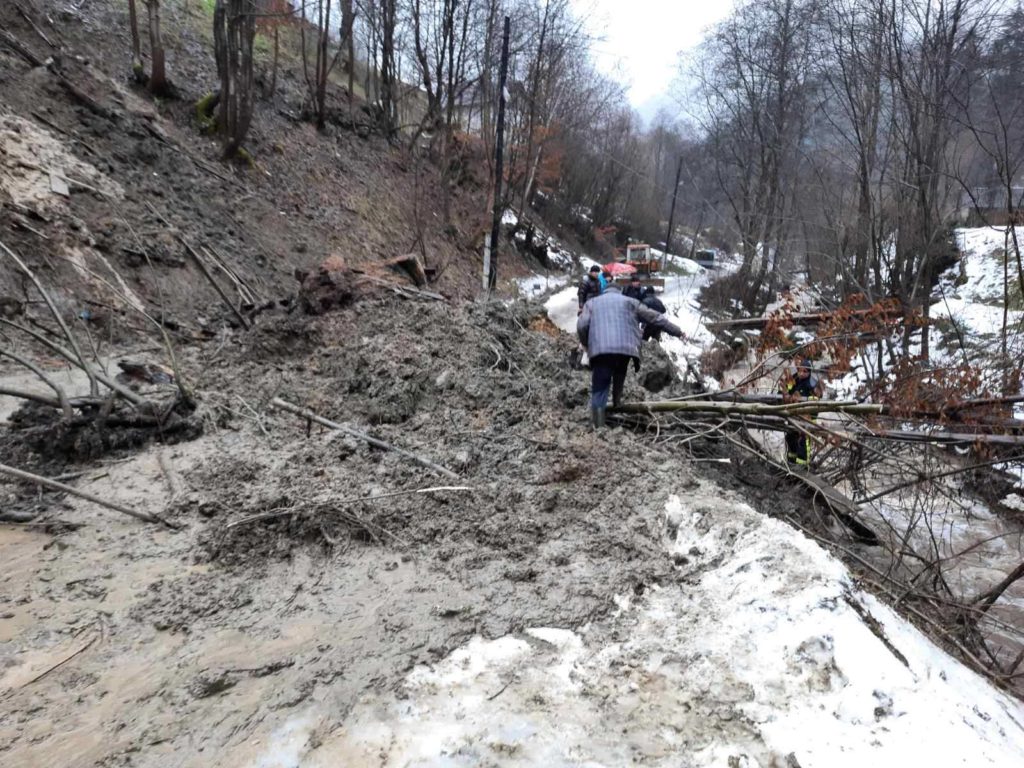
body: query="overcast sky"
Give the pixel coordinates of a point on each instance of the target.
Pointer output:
(641, 40)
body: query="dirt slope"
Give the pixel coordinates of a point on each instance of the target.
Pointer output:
(139, 174)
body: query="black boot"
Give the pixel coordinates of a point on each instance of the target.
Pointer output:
(597, 417)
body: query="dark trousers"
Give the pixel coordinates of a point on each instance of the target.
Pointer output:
(798, 448)
(650, 332)
(607, 372)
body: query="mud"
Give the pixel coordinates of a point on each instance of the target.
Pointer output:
(193, 643)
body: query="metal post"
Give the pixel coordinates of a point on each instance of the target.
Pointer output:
(672, 213)
(492, 275)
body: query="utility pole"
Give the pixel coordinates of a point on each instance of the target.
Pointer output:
(672, 213)
(499, 148)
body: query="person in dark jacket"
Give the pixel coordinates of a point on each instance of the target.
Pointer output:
(651, 301)
(590, 287)
(609, 327)
(634, 290)
(803, 385)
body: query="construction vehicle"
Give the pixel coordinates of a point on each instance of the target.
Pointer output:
(639, 256)
(706, 257)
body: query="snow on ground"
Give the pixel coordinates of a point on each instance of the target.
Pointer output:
(976, 305)
(537, 285)
(756, 656)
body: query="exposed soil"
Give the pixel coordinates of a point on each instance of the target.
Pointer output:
(196, 636)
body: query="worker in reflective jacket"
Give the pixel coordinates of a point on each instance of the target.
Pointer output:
(794, 387)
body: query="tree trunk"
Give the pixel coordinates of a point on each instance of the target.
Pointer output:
(234, 25)
(158, 73)
(138, 71)
(273, 67)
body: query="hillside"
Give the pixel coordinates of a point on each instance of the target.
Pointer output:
(141, 174)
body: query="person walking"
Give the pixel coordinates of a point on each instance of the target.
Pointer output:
(590, 286)
(634, 290)
(795, 387)
(651, 301)
(609, 329)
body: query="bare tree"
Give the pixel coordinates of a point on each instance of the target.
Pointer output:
(158, 69)
(138, 71)
(324, 62)
(234, 28)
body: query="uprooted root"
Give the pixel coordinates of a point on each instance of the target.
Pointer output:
(94, 432)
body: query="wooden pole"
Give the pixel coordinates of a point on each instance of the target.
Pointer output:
(54, 485)
(672, 215)
(499, 149)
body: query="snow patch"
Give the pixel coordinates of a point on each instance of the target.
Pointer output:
(756, 655)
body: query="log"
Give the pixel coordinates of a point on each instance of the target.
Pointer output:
(948, 438)
(284, 405)
(54, 485)
(757, 323)
(802, 408)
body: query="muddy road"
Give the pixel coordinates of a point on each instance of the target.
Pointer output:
(127, 644)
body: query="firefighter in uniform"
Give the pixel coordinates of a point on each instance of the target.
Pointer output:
(803, 385)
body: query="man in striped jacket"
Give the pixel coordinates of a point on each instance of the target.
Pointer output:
(609, 327)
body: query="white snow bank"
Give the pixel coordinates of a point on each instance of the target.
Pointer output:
(538, 284)
(756, 656)
(977, 304)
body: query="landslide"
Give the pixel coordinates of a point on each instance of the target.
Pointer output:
(206, 638)
(142, 174)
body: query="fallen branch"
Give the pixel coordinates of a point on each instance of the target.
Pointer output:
(63, 661)
(54, 485)
(802, 408)
(987, 599)
(108, 382)
(93, 386)
(73, 90)
(65, 404)
(284, 405)
(216, 286)
(35, 27)
(812, 318)
(285, 512)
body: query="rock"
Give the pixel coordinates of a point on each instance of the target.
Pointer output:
(327, 289)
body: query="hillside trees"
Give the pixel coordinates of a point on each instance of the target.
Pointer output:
(755, 89)
(324, 61)
(157, 79)
(234, 28)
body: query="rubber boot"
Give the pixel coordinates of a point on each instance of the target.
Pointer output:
(597, 417)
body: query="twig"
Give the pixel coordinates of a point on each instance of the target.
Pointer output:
(173, 479)
(291, 511)
(65, 404)
(309, 415)
(64, 661)
(93, 385)
(53, 484)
